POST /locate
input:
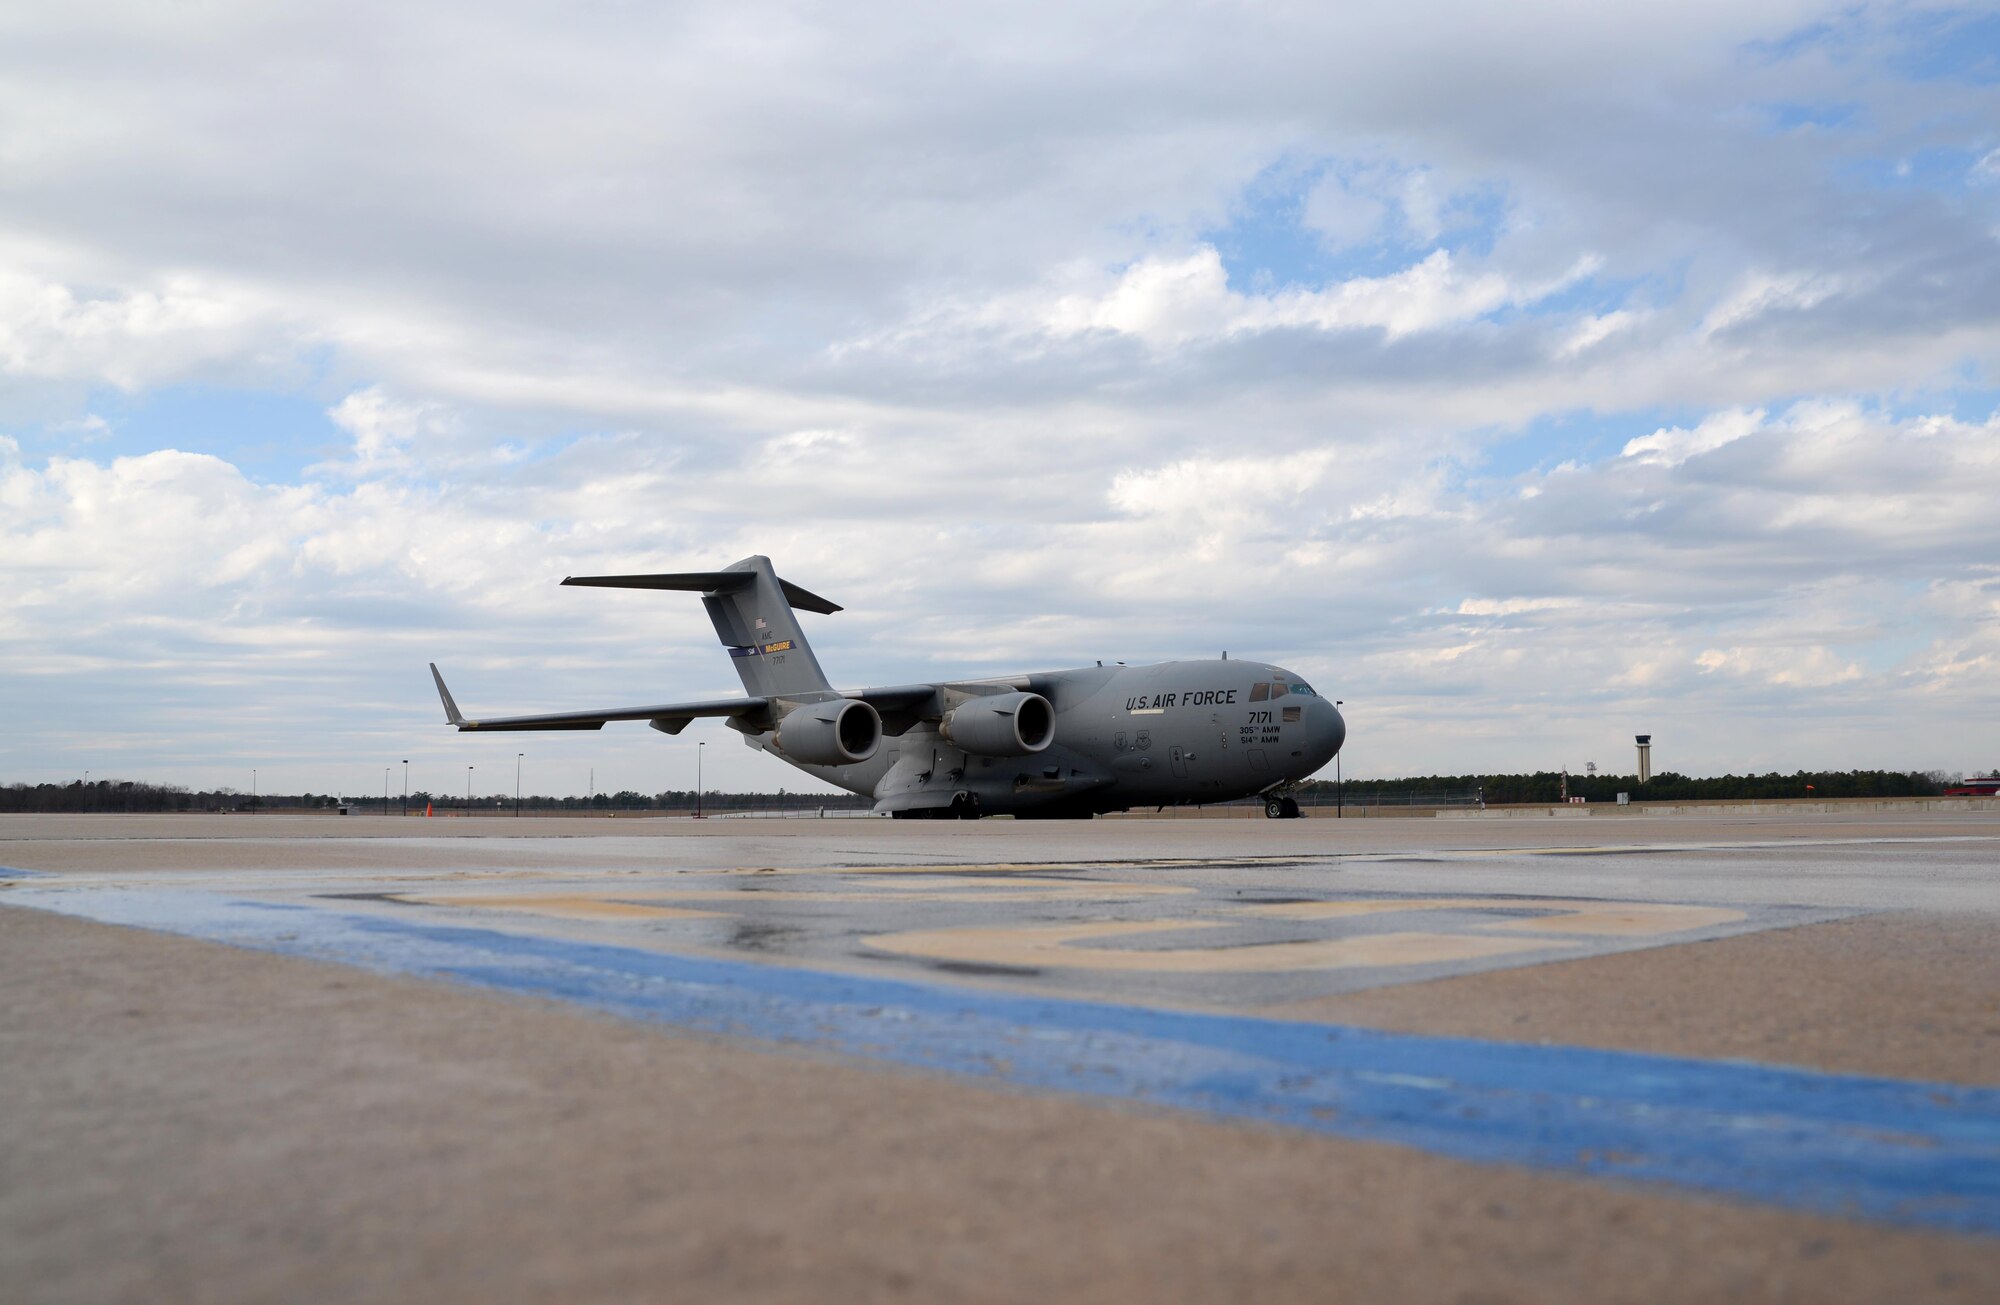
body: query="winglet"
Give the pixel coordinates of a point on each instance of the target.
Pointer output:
(450, 707)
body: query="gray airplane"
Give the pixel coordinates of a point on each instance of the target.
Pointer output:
(1052, 744)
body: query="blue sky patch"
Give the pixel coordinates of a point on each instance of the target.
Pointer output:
(270, 437)
(1786, 117)
(1959, 46)
(1577, 435)
(1268, 244)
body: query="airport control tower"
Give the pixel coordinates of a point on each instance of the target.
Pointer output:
(1645, 756)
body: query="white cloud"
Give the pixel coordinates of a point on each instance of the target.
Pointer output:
(1671, 446)
(383, 428)
(128, 337)
(92, 546)
(89, 428)
(1787, 667)
(1167, 301)
(1593, 331)
(1235, 489)
(1513, 606)
(1761, 293)
(928, 304)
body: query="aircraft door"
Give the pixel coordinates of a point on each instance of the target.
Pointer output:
(1179, 760)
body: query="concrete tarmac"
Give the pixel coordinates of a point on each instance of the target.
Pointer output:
(250, 1058)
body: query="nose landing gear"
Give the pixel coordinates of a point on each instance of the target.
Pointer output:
(1281, 808)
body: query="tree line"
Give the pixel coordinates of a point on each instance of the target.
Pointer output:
(1546, 786)
(138, 796)
(115, 795)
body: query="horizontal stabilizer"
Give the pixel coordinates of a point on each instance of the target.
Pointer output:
(699, 582)
(707, 582)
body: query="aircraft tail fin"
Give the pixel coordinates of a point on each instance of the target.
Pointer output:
(752, 611)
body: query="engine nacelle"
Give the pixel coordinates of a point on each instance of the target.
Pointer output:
(1001, 725)
(836, 733)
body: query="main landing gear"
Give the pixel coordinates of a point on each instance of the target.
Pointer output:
(963, 807)
(1281, 808)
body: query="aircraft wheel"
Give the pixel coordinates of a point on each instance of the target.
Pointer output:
(1274, 808)
(1291, 808)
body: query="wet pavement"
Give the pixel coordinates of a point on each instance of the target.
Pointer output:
(1220, 968)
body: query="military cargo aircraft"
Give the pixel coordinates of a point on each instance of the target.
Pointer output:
(1050, 744)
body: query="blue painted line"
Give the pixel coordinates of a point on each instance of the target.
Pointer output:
(14, 872)
(1920, 1154)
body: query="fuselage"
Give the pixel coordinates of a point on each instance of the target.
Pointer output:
(1168, 734)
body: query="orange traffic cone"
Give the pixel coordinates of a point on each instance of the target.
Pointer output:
(427, 809)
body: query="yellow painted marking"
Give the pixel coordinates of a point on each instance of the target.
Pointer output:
(1079, 946)
(1053, 946)
(643, 904)
(1011, 867)
(1629, 920)
(938, 889)
(567, 907)
(1606, 919)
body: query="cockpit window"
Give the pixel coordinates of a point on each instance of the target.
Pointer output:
(1305, 689)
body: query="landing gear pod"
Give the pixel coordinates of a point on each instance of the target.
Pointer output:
(1001, 725)
(837, 733)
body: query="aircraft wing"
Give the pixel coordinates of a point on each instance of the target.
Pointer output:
(672, 717)
(899, 705)
(894, 695)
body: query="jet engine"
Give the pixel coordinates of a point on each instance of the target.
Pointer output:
(1000, 725)
(835, 733)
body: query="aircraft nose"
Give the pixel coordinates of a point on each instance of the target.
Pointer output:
(1330, 727)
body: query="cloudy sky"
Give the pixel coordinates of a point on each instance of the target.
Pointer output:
(1527, 376)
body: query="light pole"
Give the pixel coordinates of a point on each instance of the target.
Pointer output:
(253, 790)
(468, 788)
(385, 790)
(1339, 793)
(697, 779)
(406, 786)
(517, 784)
